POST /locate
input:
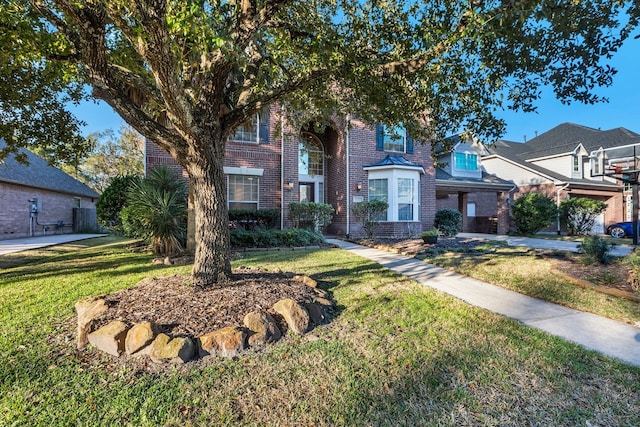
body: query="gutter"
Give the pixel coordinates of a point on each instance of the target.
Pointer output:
(282, 168)
(558, 191)
(348, 192)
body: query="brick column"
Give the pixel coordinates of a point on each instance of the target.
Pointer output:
(503, 212)
(463, 198)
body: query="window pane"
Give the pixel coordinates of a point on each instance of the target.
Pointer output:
(243, 192)
(466, 161)
(247, 132)
(378, 190)
(310, 158)
(405, 199)
(394, 138)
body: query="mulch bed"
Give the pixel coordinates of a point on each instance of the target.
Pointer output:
(181, 309)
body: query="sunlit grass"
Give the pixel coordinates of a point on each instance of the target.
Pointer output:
(397, 354)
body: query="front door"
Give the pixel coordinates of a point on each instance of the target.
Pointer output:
(307, 191)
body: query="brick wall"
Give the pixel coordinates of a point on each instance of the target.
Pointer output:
(14, 218)
(362, 152)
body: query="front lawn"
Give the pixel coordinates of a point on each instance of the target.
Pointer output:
(397, 354)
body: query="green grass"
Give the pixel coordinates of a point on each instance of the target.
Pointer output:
(521, 270)
(397, 354)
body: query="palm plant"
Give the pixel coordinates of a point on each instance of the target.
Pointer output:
(159, 205)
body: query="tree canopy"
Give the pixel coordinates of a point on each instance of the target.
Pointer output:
(186, 73)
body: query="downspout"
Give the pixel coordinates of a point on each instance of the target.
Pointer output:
(282, 168)
(558, 191)
(346, 141)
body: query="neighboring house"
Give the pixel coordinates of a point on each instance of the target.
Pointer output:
(462, 184)
(345, 163)
(37, 199)
(557, 163)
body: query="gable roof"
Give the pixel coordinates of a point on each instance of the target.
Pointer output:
(39, 174)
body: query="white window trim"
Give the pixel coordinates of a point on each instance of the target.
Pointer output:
(392, 175)
(242, 170)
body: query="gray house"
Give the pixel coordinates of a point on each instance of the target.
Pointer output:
(38, 199)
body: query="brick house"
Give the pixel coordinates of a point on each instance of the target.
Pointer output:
(558, 164)
(37, 199)
(268, 167)
(462, 184)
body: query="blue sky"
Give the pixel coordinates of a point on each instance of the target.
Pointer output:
(623, 109)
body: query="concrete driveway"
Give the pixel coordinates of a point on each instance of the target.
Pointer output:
(27, 243)
(553, 244)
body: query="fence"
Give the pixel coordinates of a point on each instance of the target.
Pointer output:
(84, 219)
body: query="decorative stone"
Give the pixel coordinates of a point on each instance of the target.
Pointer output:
(321, 292)
(324, 301)
(88, 309)
(168, 261)
(294, 314)
(225, 342)
(140, 336)
(177, 350)
(316, 312)
(306, 280)
(110, 338)
(264, 328)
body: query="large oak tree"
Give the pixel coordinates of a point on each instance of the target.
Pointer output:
(186, 73)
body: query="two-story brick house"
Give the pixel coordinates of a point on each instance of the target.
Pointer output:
(268, 166)
(557, 163)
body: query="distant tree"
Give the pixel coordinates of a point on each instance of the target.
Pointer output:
(112, 200)
(533, 212)
(113, 156)
(580, 214)
(186, 74)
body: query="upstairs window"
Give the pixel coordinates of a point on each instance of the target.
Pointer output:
(310, 156)
(466, 161)
(576, 163)
(393, 139)
(254, 130)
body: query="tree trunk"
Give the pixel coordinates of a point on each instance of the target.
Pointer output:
(212, 263)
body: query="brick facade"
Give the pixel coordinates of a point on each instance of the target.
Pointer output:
(56, 207)
(279, 160)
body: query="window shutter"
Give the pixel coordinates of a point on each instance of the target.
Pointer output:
(263, 131)
(379, 137)
(409, 145)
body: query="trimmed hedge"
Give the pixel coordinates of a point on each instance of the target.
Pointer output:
(275, 238)
(251, 220)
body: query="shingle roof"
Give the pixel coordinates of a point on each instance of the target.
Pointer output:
(38, 173)
(394, 160)
(487, 180)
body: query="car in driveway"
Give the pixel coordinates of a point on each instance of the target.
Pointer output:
(620, 229)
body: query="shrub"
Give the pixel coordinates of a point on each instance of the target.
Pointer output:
(112, 200)
(258, 219)
(580, 214)
(275, 238)
(310, 215)
(633, 260)
(158, 210)
(448, 221)
(533, 212)
(367, 213)
(595, 249)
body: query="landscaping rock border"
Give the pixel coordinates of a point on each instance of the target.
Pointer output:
(144, 339)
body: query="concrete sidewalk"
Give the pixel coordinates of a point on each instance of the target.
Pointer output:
(612, 338)
(27, 243)
(553, 244)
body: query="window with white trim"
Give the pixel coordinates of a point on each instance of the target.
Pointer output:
(242, 192)
(466, 161)
(400, 189)
(248, 131)
(378, 190)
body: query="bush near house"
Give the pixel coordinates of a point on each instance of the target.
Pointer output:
(157, 211)
(367, 214)
(112, 200)
(448, 221)
(533, 212)
(290, 237)
(580, 214)
(310, 215)
(251, 220)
